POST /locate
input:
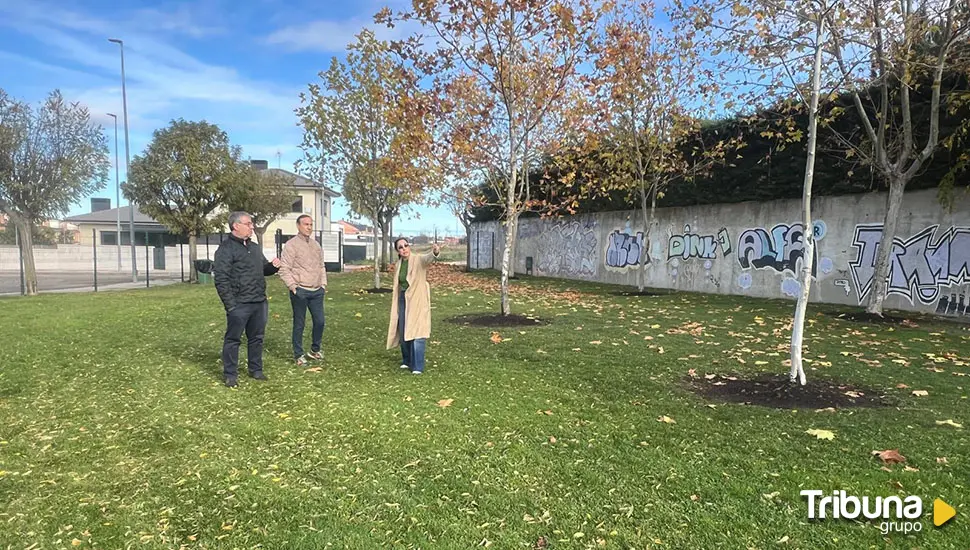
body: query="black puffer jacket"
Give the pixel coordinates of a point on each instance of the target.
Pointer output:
(239, 272)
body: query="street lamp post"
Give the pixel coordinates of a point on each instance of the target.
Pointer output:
(117, 194)
(131, 204)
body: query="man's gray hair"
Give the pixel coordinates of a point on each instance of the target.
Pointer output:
(235, 218)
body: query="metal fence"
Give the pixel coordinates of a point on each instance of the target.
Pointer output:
(160, 258)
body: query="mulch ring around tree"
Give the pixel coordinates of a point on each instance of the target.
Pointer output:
(910, 321)
(496, 320)
(645, 292)
(776, 391)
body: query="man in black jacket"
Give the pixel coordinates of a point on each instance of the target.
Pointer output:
(239, 272)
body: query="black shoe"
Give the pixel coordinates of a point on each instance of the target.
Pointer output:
(231, 382)
(258, 376)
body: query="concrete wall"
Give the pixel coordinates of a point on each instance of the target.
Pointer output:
(755, 249)
(76, 257)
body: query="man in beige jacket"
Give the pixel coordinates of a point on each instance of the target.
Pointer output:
(303, 272)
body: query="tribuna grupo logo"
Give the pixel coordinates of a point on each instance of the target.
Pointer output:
(900, 515)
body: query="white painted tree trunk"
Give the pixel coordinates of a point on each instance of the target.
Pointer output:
(808, 239)
(880, 277)
(511, 215)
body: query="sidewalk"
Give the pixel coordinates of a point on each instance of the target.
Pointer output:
(66, 281)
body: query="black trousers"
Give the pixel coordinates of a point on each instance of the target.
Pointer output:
(250, 318)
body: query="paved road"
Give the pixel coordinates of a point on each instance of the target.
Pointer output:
(48, 281)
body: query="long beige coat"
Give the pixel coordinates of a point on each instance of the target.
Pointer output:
(417, 317)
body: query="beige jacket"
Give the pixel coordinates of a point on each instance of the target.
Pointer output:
(301, 264)
(418, 298)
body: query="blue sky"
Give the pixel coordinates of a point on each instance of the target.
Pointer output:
(241, 65)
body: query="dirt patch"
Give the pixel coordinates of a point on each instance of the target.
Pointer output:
(496, 320)
(872, 319)
(379, 290)
(645, 292)
(911, 321)
(775, 391)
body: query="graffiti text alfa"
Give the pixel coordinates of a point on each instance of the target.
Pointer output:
(780, 249)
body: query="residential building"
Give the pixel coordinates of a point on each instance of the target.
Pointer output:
(100, 224)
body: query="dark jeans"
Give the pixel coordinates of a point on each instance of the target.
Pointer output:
(301, 300)
(412, 351)
(251, 318)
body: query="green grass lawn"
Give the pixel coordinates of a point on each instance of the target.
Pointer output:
(118, 432)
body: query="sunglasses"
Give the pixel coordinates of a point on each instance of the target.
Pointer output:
(403, 246)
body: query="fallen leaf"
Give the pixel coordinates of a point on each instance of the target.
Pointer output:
(782, 540)
(901, 386)
(75, 542)
(596, 342)
(692, 373)
(445, 403)
(314, 369)
(890, 456)
(666, 420)
(854, 394)
(358, 315)
(821, 434)
(920, 393)
(948, 422)
(942, 460)
(910, 469)
(826, 409)
(552, 439)
(709, 376)
(495, 338)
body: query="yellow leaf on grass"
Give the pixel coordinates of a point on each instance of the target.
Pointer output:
(821, 434)
(666, 420)
(445, 403)
(596, 342)
(920, 393)
(948, 422)
(358, 315)
(495, 338)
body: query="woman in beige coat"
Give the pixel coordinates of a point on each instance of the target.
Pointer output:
(410, 324)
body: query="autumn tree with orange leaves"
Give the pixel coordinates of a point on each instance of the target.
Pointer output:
(512, 66)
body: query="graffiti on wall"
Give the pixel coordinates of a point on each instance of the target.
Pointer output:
(920, 266)
(692, 245)
(625, 250)
(780, 248)
(569, 249)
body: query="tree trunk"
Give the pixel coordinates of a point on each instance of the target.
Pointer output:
(641, 272)
(385, 257)
(808, 237)
(27, 252)
(468, 246)
(377, 256)
(194, 254)
(880, 277)
(260, 232)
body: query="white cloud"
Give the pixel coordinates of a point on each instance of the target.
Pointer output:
(329, 36)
